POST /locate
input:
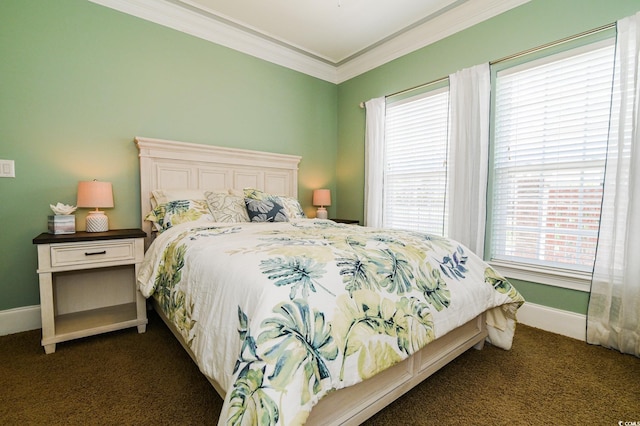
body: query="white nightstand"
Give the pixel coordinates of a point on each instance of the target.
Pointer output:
(88, 284)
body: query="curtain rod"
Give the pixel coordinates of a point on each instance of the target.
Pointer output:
(410, 89)
(509, 57)
(554, 43)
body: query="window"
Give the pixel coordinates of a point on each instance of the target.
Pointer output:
(415, 172)
(549, 149)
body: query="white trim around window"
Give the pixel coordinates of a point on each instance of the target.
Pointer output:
(563, 278)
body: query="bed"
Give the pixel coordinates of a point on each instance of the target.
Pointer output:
(296, 320)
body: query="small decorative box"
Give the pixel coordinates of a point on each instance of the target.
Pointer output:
(62, 224)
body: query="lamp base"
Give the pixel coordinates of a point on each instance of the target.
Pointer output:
(97, 221)
(321, 213)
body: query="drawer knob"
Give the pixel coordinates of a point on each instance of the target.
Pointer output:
(95, 252)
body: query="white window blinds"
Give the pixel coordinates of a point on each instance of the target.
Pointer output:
(415, 174)
(551, 124)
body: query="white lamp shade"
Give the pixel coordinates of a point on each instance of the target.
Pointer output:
(94, 194)
(321, 197)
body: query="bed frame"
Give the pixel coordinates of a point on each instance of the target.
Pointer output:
(170, 165)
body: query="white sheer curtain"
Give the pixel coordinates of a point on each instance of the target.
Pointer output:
(374, 161)
(613, 318)
(470, 91)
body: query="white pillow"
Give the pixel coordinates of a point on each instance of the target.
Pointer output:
(227, 208)
(292, 208)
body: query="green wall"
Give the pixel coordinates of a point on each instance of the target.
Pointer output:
(533, 24)
(79, 81)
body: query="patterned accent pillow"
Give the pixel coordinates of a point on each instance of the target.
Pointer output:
(292, 207)
(163, 196)
(164, 216)
(227, 208)
(257, 194)
(265, 210)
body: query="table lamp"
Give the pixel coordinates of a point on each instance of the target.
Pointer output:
(321, 198)
(94, 194)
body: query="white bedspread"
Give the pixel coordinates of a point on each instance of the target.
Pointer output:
(281, 313)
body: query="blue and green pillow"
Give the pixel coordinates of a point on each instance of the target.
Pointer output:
(266, 210)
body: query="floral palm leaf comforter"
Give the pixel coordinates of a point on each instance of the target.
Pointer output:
(279, 314)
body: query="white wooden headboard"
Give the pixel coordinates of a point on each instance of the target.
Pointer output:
(168, 164)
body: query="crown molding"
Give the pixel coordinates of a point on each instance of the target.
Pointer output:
(196, 24)
(452, 21)
(188, 21)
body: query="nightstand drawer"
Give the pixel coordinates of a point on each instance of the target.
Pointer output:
(90, 253)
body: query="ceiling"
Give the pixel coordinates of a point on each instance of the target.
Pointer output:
(330, 39)
(332, 30)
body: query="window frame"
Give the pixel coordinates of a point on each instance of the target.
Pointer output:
(437, 88)
(554, 276)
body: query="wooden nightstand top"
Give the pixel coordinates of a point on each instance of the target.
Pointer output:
(347, 221)
(46, 238)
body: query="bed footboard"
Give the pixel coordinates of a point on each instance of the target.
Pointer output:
(355, 404)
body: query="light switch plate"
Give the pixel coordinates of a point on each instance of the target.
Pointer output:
(7, 168)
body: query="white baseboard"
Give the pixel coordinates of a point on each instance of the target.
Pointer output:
(553, 320)
(20, 319)
(543, 317)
